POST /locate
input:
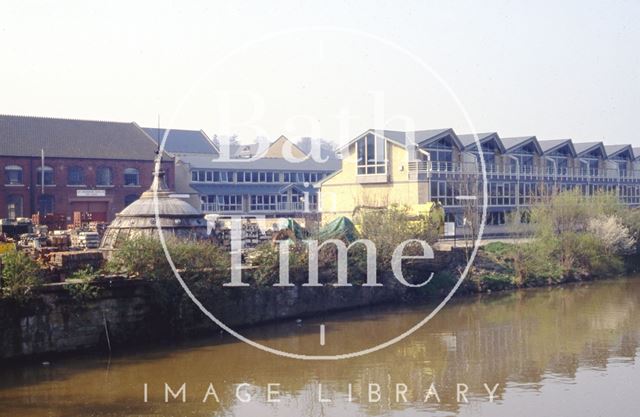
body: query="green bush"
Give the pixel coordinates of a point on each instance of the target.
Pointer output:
(196, 261)
(20, 274)
(80, 284)
(387, 228)
(496, 282)
(500, 249)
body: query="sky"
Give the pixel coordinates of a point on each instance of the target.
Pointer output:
(330, 69)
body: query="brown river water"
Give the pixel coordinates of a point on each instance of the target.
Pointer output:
(564, 351)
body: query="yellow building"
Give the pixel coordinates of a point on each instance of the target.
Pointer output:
(381, 168)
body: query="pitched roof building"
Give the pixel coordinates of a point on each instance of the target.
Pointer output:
(59, 167)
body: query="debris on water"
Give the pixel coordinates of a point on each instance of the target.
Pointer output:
(46, 363)
(299, 322)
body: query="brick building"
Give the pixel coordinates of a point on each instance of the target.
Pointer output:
(93, 167)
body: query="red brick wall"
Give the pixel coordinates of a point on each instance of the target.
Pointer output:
(65, 195)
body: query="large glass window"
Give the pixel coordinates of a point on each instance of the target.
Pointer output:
(263, 202)
(13, 174)
(218, 203)
(371, 155)
(104, 176)
(75, 176)
(48, 175)
(131, 177)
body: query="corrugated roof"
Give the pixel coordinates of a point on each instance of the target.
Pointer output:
(183, 141)
(272, 164)
(68, 138)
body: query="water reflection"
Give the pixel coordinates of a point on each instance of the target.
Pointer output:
(559, 351)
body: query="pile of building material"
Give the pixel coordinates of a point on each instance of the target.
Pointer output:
(252, 234)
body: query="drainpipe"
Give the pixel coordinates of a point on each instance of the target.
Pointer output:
(517, 179)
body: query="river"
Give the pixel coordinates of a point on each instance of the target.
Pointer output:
(564, 351)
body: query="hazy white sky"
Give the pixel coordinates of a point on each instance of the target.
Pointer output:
(329, 68)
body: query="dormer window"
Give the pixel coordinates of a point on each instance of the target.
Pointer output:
(371, 154)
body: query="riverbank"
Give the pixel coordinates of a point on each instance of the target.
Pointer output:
(119, 311)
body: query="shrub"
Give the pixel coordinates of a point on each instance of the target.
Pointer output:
(145, 257)
(387, 228)
(20, 274)
(80, 285)
(615, 237)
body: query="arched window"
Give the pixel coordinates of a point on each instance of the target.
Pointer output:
(46, 204)
(13, 175)
(48, 175)
(130, 199)
(104, 176)
(14, 206)
(131, 177)
(75, 176)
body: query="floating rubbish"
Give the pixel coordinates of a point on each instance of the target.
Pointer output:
(46, 363)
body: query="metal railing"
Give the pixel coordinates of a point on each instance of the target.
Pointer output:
(427, 168)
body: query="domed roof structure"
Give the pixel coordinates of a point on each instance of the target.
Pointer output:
(176, 217)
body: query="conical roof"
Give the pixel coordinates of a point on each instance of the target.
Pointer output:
(176, 217)
(168, 206)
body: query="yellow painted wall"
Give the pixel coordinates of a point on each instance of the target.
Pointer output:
(341, 194)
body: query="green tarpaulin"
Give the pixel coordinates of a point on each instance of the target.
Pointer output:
(294, 226)
(339, 228)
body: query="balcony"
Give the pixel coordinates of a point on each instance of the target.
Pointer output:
(423, 170)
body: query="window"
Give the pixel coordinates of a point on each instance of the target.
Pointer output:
(14, 206)
(75, 176)
(131, 177)
(48, 175)
(104, 176)
(217, 203)
(130, 199)
(441, 155)
(263, 202)
(46, 204)
(371, 156)
(13, 175)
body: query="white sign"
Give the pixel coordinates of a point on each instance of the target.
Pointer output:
(449, 229)
(90, 193)
(179, 195)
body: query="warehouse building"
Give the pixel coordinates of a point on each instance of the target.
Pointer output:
(58, 167)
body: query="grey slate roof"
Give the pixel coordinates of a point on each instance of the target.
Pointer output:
(585, 147)
(421, 137)
(183, 141)
(548, 146)
(68, 138)
(612, 150)
(469, 140)
(271, 164)
(514, 142)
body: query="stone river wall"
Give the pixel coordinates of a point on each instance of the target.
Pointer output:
(56, 321)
